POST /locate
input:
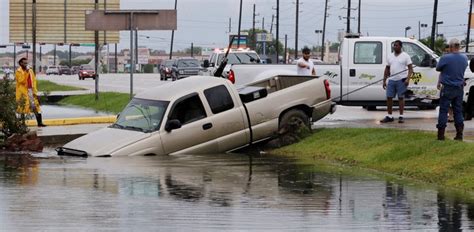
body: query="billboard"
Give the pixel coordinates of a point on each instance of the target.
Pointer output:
(57, 21)
(264, 37)
(243, 40)
(143, 55)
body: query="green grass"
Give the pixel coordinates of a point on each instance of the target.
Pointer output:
(408, 154)
(48, 86)
(108, 101)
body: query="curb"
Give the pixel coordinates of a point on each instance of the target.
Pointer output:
(74, 121)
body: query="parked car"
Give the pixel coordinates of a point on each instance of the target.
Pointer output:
(86, 71)
(65, 70)
(166, 69)
(52, 70)
(75, 70)
(208, 115)
(185, 67)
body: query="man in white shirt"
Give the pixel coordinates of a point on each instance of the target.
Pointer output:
(398, 78)
(305, 66)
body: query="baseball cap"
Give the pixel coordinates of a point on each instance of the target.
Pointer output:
(454, 42)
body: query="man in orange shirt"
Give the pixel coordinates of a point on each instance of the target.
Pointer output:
(26, 91)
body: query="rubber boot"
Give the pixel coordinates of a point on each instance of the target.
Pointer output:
(39, 120)
(441, 133)
(459, 131)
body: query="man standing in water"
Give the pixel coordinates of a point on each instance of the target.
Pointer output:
(26, 91)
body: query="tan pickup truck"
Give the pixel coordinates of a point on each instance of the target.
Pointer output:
(207, 115)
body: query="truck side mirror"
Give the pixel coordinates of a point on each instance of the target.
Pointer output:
(206, 64)
(172, 125)
(434, 63)
(426, 62)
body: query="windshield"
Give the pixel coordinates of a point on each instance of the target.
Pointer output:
(86, 67)
(142, 115)
(239, 58)
(188, 63)
(168, 63)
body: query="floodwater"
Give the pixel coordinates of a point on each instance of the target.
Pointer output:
(223, 192)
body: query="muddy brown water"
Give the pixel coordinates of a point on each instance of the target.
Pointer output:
(222, 192)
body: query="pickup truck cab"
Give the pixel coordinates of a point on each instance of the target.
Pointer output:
(207, 115)
(235, 56)
(357, 79)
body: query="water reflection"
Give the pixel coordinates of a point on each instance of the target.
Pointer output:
(214, 192)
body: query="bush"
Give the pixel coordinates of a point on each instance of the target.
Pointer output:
(9, 122)
(148, 68)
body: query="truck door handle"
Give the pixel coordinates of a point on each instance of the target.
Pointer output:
(352, 72)
(207, 126)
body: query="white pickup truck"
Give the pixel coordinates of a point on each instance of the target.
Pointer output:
(208, 115)
(357, 79)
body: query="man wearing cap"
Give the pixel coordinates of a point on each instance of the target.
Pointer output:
(451, 85)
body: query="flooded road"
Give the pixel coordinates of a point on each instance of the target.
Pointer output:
(224, 192)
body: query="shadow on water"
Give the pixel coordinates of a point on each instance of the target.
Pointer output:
(214, 192)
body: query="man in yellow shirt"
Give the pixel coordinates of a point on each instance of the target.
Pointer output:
(26, 91)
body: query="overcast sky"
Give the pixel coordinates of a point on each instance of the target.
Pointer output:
(205, 22)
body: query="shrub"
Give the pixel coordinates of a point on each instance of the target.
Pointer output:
(9, 122)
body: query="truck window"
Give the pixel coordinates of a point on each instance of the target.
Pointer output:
(368, 53)
(416, 53)
(219, 99)
(188, 110)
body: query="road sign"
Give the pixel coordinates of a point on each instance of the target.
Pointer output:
(264, 37)
(87, 45)
(120, 20)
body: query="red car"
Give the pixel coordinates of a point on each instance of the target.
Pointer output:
(86, 71)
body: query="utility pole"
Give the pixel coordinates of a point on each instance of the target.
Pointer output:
(358, 23)
(324, 30)
(469, 27)
(286, 48)
(296, 28)
(348, 29)
(136, 49)
(172, 32)
(34, 35)
(271, 26)
(263, 23)
(40, 59)
(240, 24)
(254, 37)
(116, 65)
(230, 25)
(434, 25)
(192, 49)
(277, 40)
(96, 56)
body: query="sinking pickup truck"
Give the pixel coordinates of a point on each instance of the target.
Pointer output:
(208, 115)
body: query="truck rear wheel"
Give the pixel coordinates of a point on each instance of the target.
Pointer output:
(294, 125)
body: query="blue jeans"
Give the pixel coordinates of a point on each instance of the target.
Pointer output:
(450, 95)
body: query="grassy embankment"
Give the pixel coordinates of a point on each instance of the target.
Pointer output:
(409, 154)
(48, 86)
(108, 101)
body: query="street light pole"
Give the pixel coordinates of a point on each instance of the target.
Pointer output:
(406, 29)
(469, 27)
(172, 33)
(240, 23)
